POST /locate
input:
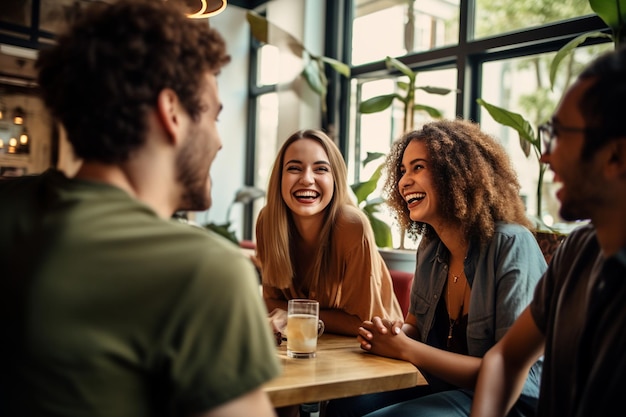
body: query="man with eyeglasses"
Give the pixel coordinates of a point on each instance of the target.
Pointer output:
(577, 318)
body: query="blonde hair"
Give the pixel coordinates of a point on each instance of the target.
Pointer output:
(275, 233)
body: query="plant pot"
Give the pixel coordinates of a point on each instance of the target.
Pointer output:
(399, 259)
(548, 242)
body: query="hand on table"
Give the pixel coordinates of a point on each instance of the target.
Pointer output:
(278, 322)
(382, 337)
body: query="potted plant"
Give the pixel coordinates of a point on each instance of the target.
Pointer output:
(613, 13)
(363, 190)
(245, 195)
(530, 142)
(396, 259)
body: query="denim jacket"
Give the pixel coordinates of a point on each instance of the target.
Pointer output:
(502, 276)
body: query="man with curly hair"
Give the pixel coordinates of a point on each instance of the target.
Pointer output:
(578, 315)
(107, 306)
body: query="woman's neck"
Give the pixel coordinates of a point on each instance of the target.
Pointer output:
(309, 229)
(455, 241)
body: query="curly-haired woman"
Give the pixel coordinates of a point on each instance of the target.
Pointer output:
(477, 266)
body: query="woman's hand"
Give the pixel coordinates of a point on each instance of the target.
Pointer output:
(383, 337)
(278, 323)
(278, 320)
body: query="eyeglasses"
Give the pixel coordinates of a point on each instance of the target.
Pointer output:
(550, 130)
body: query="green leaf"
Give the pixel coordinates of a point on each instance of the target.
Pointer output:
(258, 26)
(382, 231)
(378, 103)
(372, 156)
(567, 49)
(313, 76)
(223, 230)
(391, 62)
(432, 112)
(362, 190)
(267, 32)
(513, 120)
(404, 86)
(338, 66)
(437, 90)
(612, 12)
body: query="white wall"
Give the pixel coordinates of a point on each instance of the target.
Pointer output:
(299, 107)
(228, 168)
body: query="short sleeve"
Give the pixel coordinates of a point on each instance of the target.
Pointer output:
(518, 271)
(219, 345)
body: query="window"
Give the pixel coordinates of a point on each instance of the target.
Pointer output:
(494, 17)
(398, 27)
(502, 55)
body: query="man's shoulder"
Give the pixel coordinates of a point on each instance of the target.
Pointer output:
(582, 239)
(29, 184)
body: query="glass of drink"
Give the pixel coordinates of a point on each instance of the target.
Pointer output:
(303, 328)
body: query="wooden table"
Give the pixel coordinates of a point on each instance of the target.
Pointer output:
(341, 369)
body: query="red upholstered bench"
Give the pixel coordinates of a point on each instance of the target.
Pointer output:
(247, 244)
(402, 282)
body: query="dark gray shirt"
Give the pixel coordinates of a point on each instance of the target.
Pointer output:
(580, 307)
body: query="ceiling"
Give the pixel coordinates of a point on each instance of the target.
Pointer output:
(248, 4)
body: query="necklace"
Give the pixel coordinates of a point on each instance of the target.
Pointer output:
(454, 321)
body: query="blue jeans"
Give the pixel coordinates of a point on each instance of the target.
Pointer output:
(362, 404)
(417, 402)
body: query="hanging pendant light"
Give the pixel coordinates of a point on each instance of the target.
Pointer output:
(205, 8)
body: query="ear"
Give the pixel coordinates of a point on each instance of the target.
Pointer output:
(171, 114)
(616, 162)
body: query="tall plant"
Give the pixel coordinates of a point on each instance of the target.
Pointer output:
(380, 103)
(613, 13)
(529, 140)
(406, 97)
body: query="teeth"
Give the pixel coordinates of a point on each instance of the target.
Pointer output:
(414, 197)
(306, 194)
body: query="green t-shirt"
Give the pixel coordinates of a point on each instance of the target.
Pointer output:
(108, 310)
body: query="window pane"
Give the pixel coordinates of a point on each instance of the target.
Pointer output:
(396, 27)
(266, 144)
(378, 130)
(494, 17)
(522, 86)
(375, 132)
(16, 12)
(267, 133)
(268, 70)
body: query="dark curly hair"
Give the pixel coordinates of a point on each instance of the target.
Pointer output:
(106, 72)
(475, 182)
